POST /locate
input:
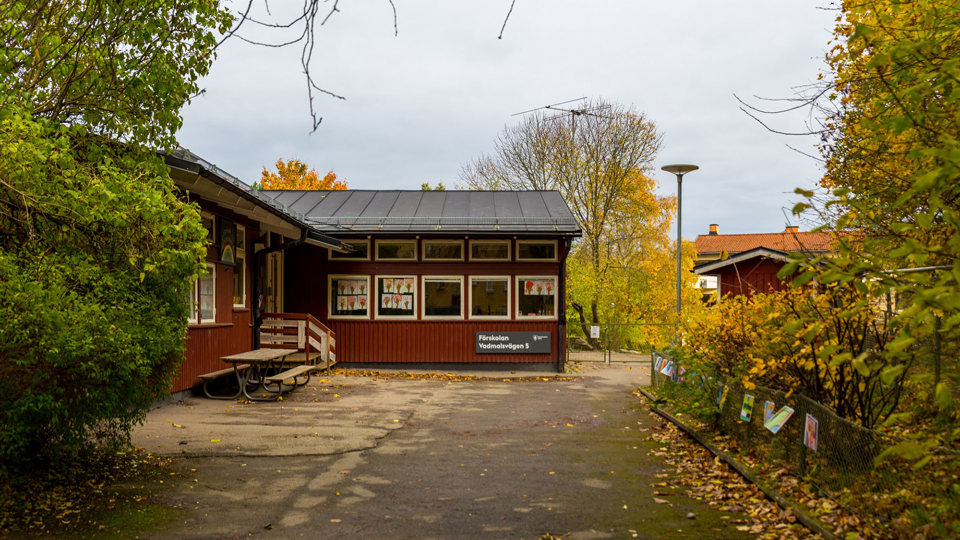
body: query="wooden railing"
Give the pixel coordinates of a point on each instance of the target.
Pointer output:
(302, 332)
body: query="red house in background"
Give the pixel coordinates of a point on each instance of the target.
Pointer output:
(733, 264)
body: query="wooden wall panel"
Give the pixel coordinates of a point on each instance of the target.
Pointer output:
(429, 342)
(206, 344)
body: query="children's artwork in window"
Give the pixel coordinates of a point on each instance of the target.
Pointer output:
(349, 296)
(537, 297)
(397, 296)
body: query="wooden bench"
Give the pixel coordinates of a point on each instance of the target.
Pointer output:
(293, 373)
(214, 375)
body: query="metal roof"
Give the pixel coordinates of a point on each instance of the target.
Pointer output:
(217, 184)
(366, 211)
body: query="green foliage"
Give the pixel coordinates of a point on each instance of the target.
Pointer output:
(826, 343)
(893, 167)
(96, 249)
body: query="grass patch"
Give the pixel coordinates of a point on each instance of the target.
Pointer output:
(101, 495)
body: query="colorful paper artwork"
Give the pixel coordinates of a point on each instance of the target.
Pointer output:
(658, 364)
(386, 301)
(722, 395)
(778, 419)
(388, 285)
(406, 301)
(768, 408)
(810, 432)
(746, 410)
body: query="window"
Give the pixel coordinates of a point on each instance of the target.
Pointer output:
(536, 250)
(443, 297)
(206, 219)
(536, 297)
(489, 297)
(443, 250)
(203, 298)
(396, 296)
(349, 297)
(489, 250)
(361, 253)
(397, 250)
(239, 270)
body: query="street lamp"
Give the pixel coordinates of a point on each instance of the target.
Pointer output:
(679, 170)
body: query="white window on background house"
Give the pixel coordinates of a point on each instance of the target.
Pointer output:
(203, 298)
(489, 297)
(239, 271)
(536, 297)
(442, 297)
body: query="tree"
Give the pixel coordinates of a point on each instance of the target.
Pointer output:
(96, 249)
(439, 187)
(599, 163)
(293, 174)
(891, 142)
(892, 150)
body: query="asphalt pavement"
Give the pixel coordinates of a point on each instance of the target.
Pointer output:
(362, 457)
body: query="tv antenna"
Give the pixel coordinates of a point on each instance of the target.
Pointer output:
(574, 113)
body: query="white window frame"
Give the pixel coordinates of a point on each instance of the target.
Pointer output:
(469, 305)
(331, 295)
(443, 242)
(395, 241)
(423, 302)
(240, 251)
(506, 242)
(335, 256)
(376, 295)
(532, 259)
(195, 316)
(516, 309)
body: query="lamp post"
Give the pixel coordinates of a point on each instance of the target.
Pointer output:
(679, 170)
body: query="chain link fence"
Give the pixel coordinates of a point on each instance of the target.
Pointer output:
(793, 434)
(619, 343)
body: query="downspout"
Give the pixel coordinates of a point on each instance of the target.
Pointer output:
(255, 284)
(562, 308)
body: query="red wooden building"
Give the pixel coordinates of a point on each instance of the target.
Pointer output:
(745, 264)
(247, 234)
(436, 278)
(748, 272)
(394, 277)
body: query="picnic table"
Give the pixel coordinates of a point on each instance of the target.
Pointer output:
(264, 369)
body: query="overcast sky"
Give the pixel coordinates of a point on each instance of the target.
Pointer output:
(421, 104)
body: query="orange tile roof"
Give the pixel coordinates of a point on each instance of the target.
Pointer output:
(782, 241)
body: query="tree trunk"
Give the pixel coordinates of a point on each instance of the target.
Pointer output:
(585, 326)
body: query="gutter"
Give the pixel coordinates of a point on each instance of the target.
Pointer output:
(562, 308)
